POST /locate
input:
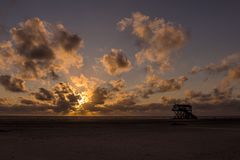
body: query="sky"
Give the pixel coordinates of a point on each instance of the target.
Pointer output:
(119, 57)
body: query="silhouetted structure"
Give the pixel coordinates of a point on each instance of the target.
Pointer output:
(183, 111)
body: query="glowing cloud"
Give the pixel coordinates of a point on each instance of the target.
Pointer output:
(157, 38)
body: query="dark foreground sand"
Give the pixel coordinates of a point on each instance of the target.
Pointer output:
(115, 139)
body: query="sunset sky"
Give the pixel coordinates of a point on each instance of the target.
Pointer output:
(119, 57)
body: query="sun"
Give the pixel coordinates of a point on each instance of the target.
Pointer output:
(84, 98)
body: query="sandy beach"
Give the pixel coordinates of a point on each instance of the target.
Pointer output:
(118, 139)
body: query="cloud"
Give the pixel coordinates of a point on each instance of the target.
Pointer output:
(154, 84)
(113, 97)
(66, 99)
(12, 84)
(106, 91)
(38, 49)
(45, 109)
(215, 102)
(215, 96)
(116, 62)
(7, 57)
(28, 102)
(228, 107)
(193, 95)
(25, 109)
(225, 64)
(229, 65)
(100, 94)
(4, 101)
(44, 95)
(232, 75)
(137, 109)
(123, 105)
(31, 40)
(69, 42)
(61, 99)
(109, 100)
(80, 81)
(117, 85)
(157, 38)
(149, 69)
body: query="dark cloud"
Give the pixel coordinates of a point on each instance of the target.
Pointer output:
(67, 40)
(60, 99)
(66, 99)
(106, 91)
(31, 40)
(44, 95)
(100, 94)
(116, 62)
(41, 50)
(12, 84)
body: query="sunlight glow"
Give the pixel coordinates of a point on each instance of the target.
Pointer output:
(84, 98)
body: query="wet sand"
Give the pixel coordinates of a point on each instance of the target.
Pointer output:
(118, 139)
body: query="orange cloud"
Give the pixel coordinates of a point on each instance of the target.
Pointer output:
(157, 38)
